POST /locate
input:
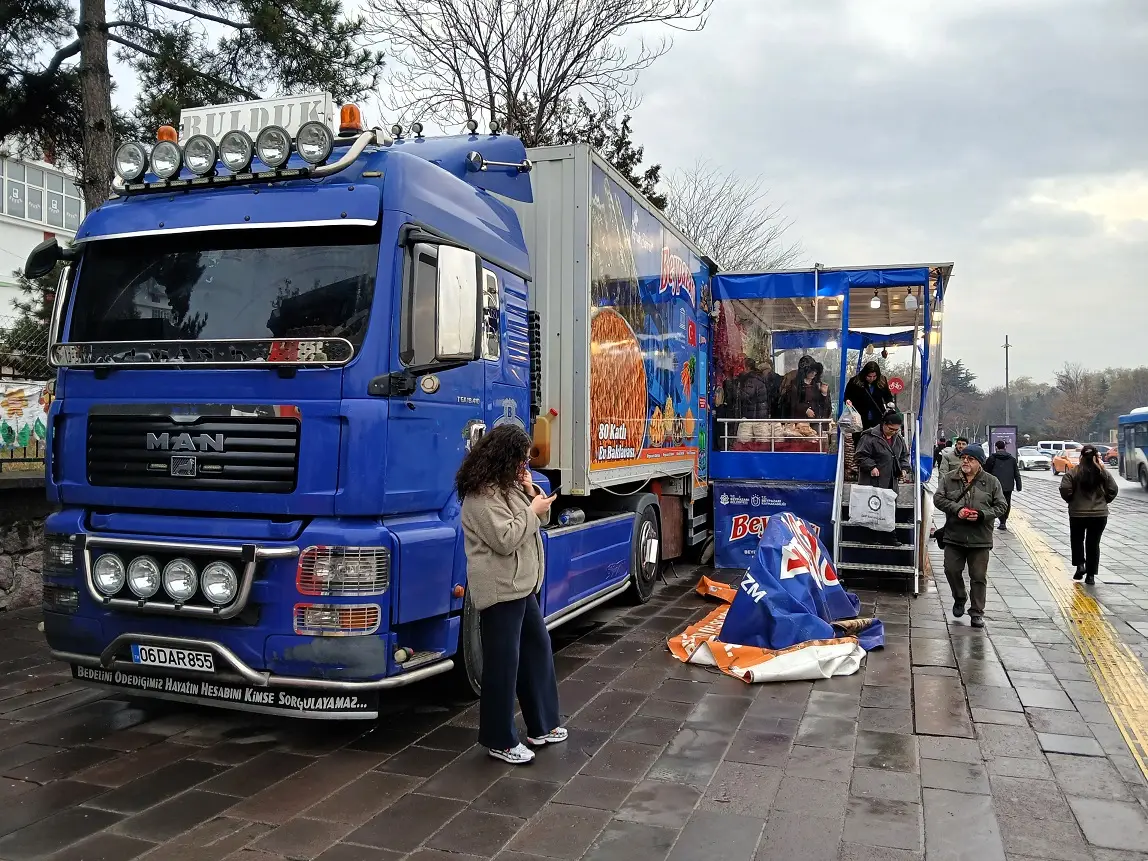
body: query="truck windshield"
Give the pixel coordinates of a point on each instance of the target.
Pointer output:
(238, 284)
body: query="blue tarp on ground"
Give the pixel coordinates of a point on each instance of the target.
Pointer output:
(790, 617)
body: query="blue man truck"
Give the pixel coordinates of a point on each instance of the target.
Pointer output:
(276, 343)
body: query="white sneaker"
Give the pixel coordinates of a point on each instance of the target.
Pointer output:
(520, 754)
(555, 736)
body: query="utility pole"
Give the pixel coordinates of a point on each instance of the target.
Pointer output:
(1007, 346)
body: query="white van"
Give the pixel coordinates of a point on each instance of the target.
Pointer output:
(1053, 447)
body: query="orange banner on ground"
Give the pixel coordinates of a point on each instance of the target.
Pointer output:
(698, 644)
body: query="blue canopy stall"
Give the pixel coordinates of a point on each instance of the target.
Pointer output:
(781, 347)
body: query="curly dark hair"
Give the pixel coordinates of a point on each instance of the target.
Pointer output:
(495, 461)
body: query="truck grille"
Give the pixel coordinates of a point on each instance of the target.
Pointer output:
(228, 453)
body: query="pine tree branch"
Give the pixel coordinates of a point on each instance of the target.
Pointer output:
(206, 16)
(119, 40)
(69, 50)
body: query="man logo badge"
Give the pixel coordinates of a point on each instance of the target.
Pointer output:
(183, 466)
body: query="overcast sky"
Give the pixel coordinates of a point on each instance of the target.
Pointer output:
(1007, 136)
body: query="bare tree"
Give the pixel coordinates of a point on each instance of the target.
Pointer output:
(1080, 399)
(731, 218)
(520, 61)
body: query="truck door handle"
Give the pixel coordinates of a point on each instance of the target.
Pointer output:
(473, 433)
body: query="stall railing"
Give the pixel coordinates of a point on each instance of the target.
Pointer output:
(838, 495)
(808, 436)
(918, 530)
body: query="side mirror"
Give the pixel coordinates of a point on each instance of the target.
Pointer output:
(457, 305)
(43, 258)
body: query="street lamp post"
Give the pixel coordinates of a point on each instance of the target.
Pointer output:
(1007, 346)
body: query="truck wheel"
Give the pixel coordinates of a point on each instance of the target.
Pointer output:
(468, 661)
(644, 574)
(1144, 478)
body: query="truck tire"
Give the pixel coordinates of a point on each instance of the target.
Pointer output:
(644, 575)
(467, 675)
(1144, 478)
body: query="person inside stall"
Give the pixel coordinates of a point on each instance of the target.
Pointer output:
(803, 394)
(756, 396)
(869, 393)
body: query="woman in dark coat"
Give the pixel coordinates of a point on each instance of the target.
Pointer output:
(869, 393)
(882, 455)
(803, 395)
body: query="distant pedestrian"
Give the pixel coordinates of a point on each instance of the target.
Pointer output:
(1007, 471)
(951, 457)
(971, 499)
(502, 511)
(1087, 488)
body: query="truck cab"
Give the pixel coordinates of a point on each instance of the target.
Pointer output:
(272, 361)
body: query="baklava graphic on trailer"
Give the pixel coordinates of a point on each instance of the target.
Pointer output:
(645, 391)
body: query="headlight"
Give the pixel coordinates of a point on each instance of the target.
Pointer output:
(273, 146)
(200, 154)
(219, 583)
(131, 161)
(109, 574)
(180, 580)
(236, 151)
(143, 576)
(166, 159)
(314, 142)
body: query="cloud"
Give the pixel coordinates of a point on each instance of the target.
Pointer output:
(1007, 137)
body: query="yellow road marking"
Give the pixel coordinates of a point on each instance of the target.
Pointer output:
(1117, 671)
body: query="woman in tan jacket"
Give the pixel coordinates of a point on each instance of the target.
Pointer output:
(502, 511)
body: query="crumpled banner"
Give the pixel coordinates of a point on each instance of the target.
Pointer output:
(788, 619)
(23, 414)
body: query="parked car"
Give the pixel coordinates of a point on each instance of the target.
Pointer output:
(1065, 460)
(1031, 457)
(1110, 454)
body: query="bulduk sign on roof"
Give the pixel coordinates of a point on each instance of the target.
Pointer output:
(290, 112)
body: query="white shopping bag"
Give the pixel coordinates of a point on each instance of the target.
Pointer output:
(874, 507)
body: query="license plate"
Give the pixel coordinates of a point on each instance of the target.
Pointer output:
(176, 659)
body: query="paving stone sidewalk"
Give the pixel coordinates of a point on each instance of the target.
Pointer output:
(951, 743)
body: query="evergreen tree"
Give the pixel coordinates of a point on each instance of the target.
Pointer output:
(185, 53)
(24, 344)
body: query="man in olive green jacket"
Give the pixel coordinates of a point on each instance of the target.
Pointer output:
(971, 499)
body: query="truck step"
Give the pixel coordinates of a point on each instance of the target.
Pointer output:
(419, 659)
(863, 567)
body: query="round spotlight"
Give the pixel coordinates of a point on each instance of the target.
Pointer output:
(180, 580)
(273, 146)
(236, 150)
(495, 127)
(472, 126)
(143, 576)
(109, 574)
(220, 583)
(131, 161)
(166, 159)
(417, 129)
(314, 142)
(200, 154)
(397, 130)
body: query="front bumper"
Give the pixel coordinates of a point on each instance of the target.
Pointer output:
(238, 686)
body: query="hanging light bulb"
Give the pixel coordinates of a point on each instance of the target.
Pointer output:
(831, 344)
(869, 351)
(884, 353)
(910, 300)
(875, 302)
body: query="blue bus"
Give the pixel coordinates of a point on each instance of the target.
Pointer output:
(1133, 445)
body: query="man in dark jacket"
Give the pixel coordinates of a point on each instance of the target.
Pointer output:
(971, 499)
(882, 456)
(1007, 471)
